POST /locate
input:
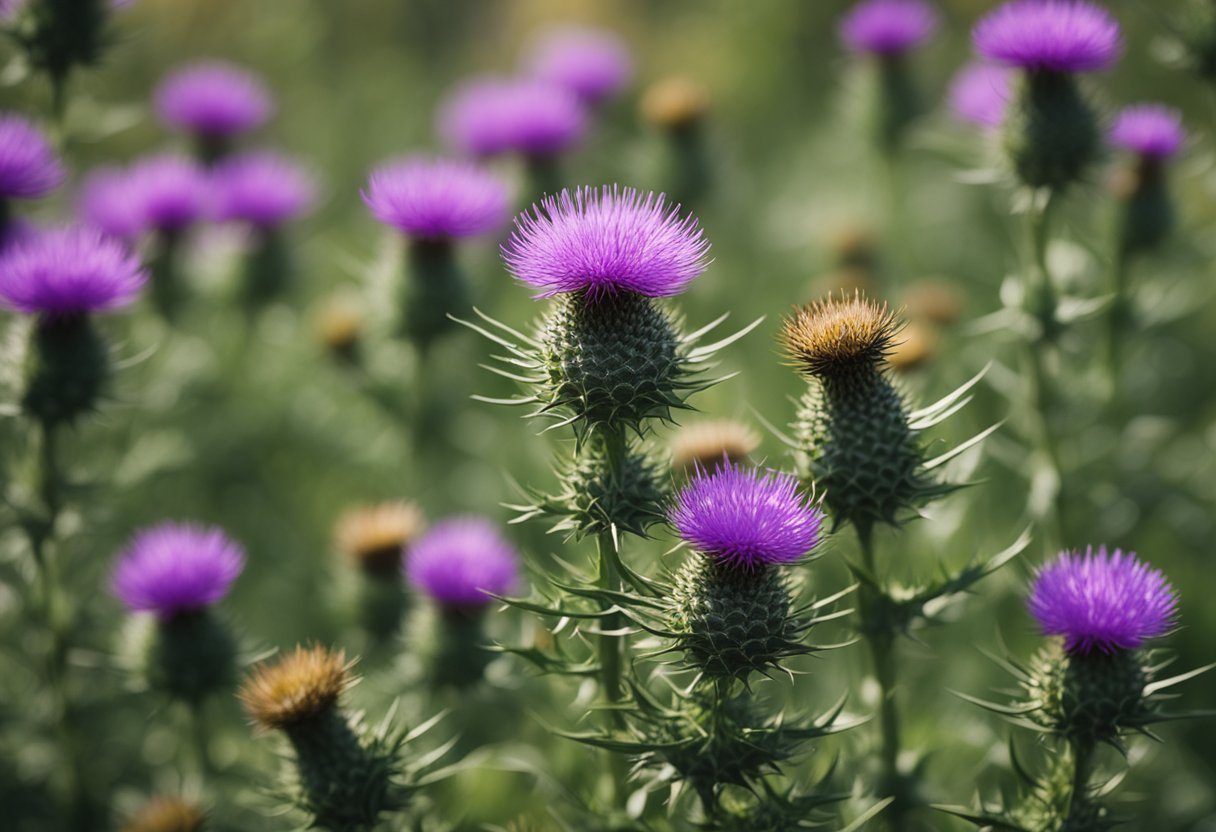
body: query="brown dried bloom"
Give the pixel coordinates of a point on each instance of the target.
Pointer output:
(298, 687)
(836, 337)
(675, 102)
(933, 300)
(374, 536)
(916, 345)
(167, 813)
(339, 326)
(705, 444)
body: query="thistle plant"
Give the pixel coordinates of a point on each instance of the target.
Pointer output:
(214, 103)
(679, 108)
(1094, 684)
(859, 442)
(29, 169)
(374, 539)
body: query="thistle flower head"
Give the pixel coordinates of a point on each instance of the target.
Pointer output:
(169, 192)
(1049, 35)
(606, 240)
(167, 813)
(707, 443)
(1151, 130)
(437, 198)
(108, 203)
(262, 188)
(176, 567)
(213, 98)
(835, 337)
(375, 537)
(461, 561)
(888, 27)
(1108, 602)
(28, 164)
(675, 102)
(746, 517)
(591, 63)
(296, 688)
(980, 93)
(489, 116)
(68, 271)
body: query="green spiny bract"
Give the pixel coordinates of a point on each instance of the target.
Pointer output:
(1148, 209)
(599, 492)
(731, 622)
(432, 291)
(1089, 697)
(452, 643)
(615, 361)
(1050, 135)
(189, 656)
(66, 369)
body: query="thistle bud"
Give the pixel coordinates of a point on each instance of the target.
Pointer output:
(709, 444)
(678, 107)
(730, 610)
(342, 780)
(853, 423)
(167, 813)
(374, 539)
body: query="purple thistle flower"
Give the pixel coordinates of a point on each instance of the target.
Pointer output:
(746, 517)
(461, 559)
(1052, 35)
(1152, 130)
(887, 27)
(1109, 602)
(213, 98)
(980, 93)
(68, 271)
(169, 192)
(107, 202)
(262, 188)
(28, 165)
(437, 198)
(489, 116)
(605, 240)
(591, 63)
(176, 567)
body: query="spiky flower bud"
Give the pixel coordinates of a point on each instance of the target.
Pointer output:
(730, 609)
(1089, 697)
(852, 423)
(167, 813)
(344, 782)
(711, 443)
(1051, 805)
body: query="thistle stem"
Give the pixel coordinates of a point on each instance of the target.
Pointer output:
(880, 636)
(1118, 319)
(1083, 761)
(611, 647)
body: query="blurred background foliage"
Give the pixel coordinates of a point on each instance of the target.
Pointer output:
(253, 426)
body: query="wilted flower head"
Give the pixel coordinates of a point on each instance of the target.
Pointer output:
(28, 164)
(591, 63)
(108, 203)
(167, 813)
(746, 517)
(490, 116)
(68, 271)
(375, 536)
(1052, 35)
(980, 93)
(887, 27)
(437, 198)
(461, 559)
(213, 98)
(169, 192)
(675, 102)
(708, 443)
(175, 567)
(835, 336)
(605, 240)
(1151, 130)
(1108, 602)
(298, 687)
(262, 188)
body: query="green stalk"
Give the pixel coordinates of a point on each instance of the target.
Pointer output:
(611, 647)
(1083, 761)
(880, 637)
(1119, 315)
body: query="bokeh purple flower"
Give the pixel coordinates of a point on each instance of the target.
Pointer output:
(746, 517)
(262, 188)
(980, 94)
(437, 199)
(489, 116)
(213, 98)
(176, 567)
(28, 165)
(592, 63)
(605, 240)
(887, 27)
(1051, 35)
(108, 203)
(1151, 130)
(1102, 601)
(461, 559)
(169, 192)
(68, 271)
